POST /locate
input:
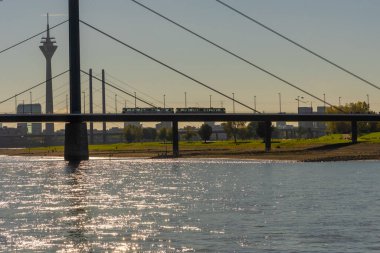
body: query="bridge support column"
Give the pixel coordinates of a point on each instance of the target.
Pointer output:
(91, 108)
(104, 106)
(268, 136)
(76, 142)
(354, 132)
(175, 139)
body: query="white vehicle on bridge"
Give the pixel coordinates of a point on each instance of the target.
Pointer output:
(137, 110)
(200, 110)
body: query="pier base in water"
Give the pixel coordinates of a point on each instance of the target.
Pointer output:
(76, 142)
(268, 136)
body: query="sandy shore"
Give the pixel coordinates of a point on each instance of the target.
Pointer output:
(332, 152)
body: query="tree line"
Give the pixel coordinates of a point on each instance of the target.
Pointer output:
(345, 127)
(233, 130)
(251, 130)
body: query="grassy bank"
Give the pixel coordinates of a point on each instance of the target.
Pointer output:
(326, 148)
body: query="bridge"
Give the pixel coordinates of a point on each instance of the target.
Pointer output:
(178, 117)
(76, 143)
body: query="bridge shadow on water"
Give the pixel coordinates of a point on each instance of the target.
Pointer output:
(77, 215)
(72, 167)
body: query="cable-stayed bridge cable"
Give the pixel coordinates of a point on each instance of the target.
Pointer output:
(116, 88)
(235, 55)
(35, 86)
(134, 88)
(166, 65)
(32, 37)
(299, 45)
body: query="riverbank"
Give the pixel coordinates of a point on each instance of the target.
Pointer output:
(294, 151)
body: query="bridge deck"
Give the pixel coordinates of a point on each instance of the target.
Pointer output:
(185, 117)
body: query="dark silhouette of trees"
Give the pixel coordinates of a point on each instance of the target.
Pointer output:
(345, 127)
(205, 132)
(149, 133)
(189, 132)
(234, 129)
(260, 130)
(133, 133)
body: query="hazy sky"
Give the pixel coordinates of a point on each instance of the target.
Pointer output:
(346, 31)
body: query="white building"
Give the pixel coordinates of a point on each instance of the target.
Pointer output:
(30, 128)
(305, 110)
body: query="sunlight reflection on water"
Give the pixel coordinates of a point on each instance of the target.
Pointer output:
(188, 205)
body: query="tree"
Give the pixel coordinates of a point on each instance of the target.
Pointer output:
(149, 133)
(189, 132)
(231, 128)
(128, 134)
(162, 134)
(138, 132)
(133, 133)
(242, 132)
(169, 134)
(345, 127)
(205, 132)
(228, 129)
(261, 129)
(251, 128)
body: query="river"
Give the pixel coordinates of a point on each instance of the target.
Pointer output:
(186, 205)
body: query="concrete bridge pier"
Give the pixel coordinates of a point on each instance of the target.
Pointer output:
(175, 138)
(76, 142)
(354, 132)
(268, 136)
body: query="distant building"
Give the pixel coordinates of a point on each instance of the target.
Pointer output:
(161, 125)
(285, 132)
(132, 123)
(280, 124)
(312, 129)
(29, 128)
(305, 110)
(217, 131)
(319, 124)
(320, 127)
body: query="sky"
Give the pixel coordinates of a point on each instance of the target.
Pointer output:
(344, 31)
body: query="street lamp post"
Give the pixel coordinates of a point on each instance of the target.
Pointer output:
(15, 104)
(135, 101)
(298, 103)
(324, 102)
(368, 102)
(233, 102)
(164, 101)
(254, 103)
(279, 98)
(115, 103)
(185, 99)
(31, 102)
(84, 101)
(67, 103)
(210, 102)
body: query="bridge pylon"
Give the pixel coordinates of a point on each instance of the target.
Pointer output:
(76, 139)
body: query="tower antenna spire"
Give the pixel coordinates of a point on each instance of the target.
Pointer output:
(47, 25)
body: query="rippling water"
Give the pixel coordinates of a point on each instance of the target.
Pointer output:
(188, 206)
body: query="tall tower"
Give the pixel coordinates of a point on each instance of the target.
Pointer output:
(48, 48)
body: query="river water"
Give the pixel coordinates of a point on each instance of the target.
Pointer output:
(143, 205)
